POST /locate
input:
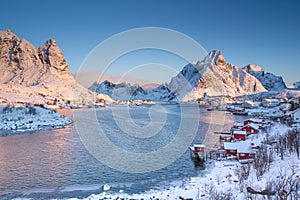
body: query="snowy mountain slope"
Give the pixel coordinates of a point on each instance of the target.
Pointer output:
(36, 74)
(122, 91)
(125, 91)
(213, 77)
(288, 93)
(270, 81)
(160, 93)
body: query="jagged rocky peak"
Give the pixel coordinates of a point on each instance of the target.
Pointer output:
(216, 57)
(31, 74)
(7, 35)
(52, 55)
(16, 56)
(253, 68)
(23, 63)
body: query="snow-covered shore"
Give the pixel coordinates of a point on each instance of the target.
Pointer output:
(224, 180)
(19, 119)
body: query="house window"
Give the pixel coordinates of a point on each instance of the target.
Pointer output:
(242, 154)
(297, 118)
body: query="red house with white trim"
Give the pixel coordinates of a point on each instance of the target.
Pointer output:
(239, 134)
(243, 150)
(230, 148)
(259, 122)
(251, 128)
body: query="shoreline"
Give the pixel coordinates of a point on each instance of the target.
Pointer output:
(20, 119)
(219, 175)
(8, 133)
(221, 179)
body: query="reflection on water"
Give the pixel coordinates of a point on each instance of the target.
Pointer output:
(55, 162)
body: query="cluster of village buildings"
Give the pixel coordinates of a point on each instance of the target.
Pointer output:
(236, 144)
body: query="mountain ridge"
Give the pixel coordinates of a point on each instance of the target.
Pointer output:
(31, 74)
(212, 76)
(42, 74)
(270, 81)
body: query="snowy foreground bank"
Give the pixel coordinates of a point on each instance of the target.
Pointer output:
(15, 120)
(275, 176)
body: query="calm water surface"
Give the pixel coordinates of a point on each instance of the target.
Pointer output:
(55, 164)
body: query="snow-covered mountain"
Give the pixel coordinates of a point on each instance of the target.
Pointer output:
(211, 77)
(160, 93)
(122, 91)
(30, 74)
(270, 81)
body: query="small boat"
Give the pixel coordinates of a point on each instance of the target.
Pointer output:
(211, 109)
(198, 154)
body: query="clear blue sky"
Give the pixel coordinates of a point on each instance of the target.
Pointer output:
(260, 32)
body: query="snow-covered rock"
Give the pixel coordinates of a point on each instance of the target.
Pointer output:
(106, 187)
(36, 74)
(160, 93)
(270, 81)
(122, 91)
(29, 118)
(126, 91)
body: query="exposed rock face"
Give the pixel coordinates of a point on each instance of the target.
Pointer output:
(216, 57)
(270, 81)
(36, 74)
(24, 64)
(15, 56)
(50, 54)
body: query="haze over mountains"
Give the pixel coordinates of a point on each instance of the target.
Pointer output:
(30, 74)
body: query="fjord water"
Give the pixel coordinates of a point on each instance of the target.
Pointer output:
(55, 163)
